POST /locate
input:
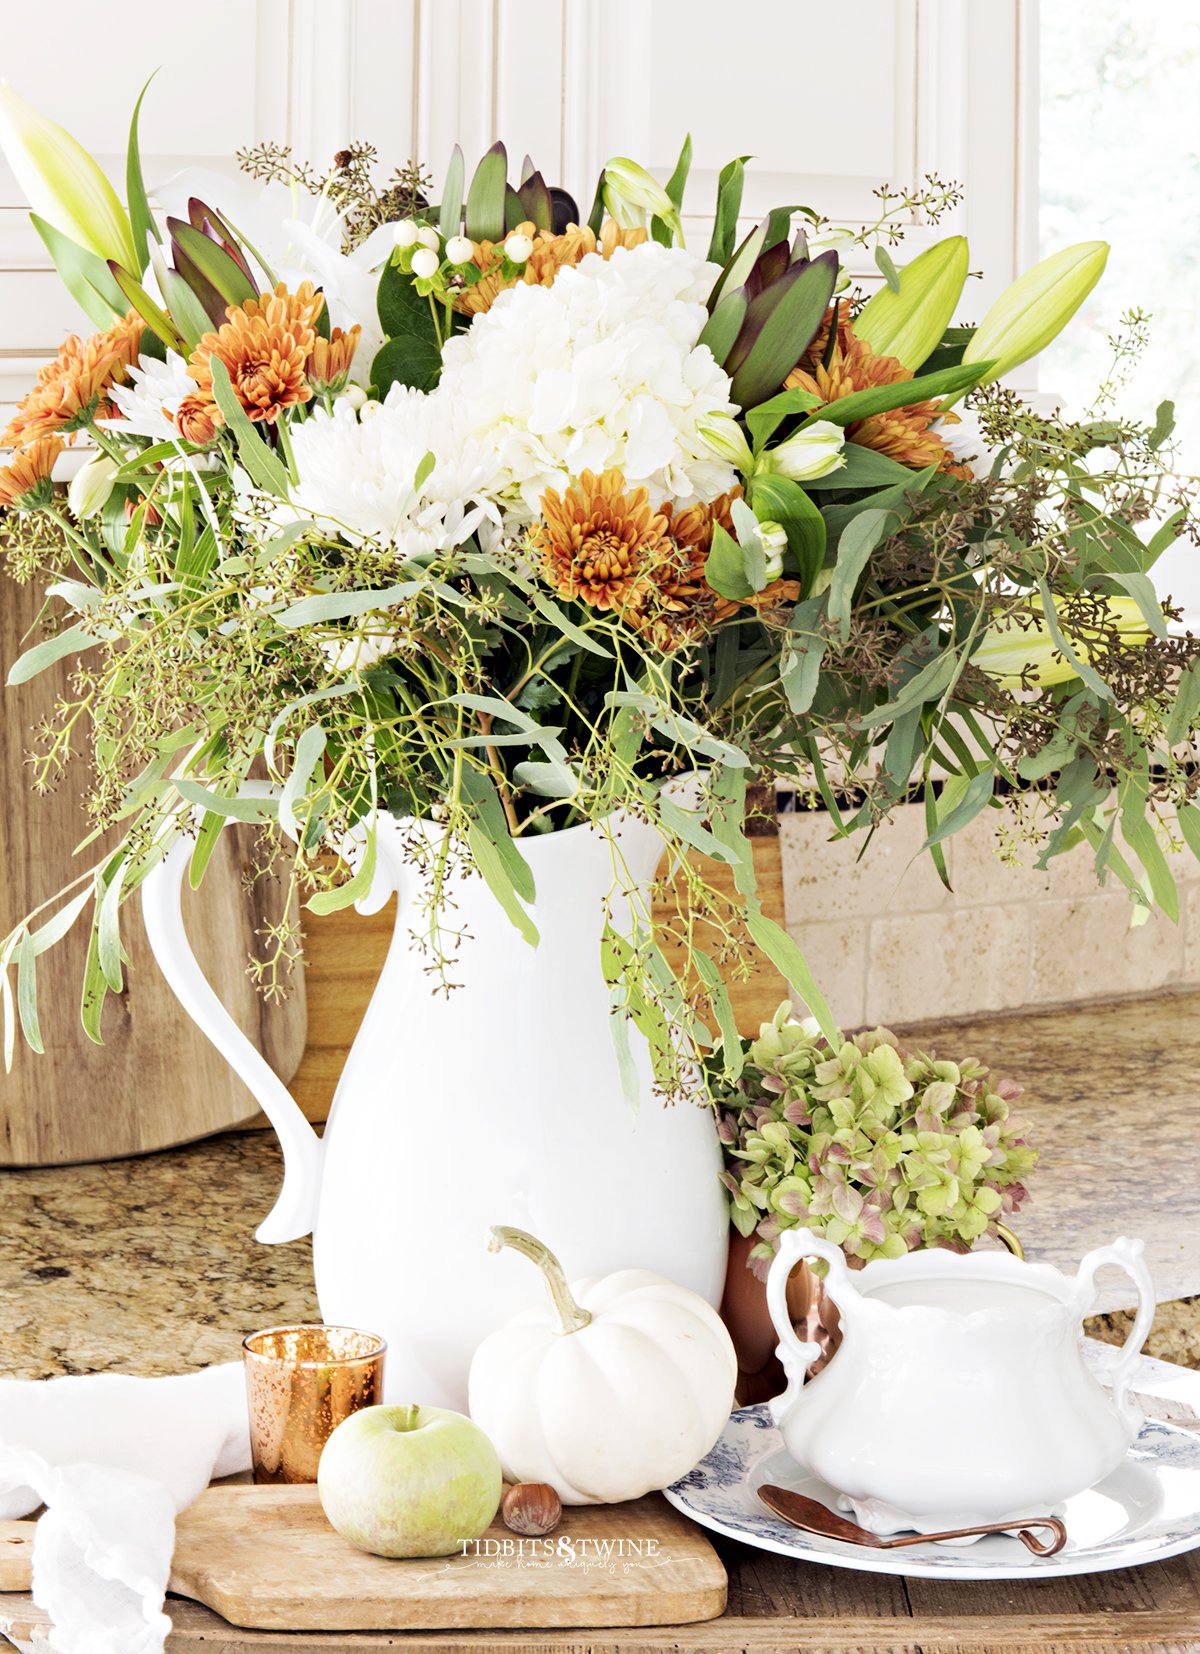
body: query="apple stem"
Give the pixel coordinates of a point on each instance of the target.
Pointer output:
(572, 1317)
(408, 1415)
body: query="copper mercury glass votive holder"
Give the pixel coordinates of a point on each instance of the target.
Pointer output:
(301, 1382)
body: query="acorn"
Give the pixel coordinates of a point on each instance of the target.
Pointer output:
(531, 1508)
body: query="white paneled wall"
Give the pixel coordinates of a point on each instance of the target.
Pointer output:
(831, 101)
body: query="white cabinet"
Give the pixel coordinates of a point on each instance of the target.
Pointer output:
(831, 101)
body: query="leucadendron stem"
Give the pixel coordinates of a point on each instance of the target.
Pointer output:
(572, 1317)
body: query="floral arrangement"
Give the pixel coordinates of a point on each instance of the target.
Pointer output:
(878, 1148)
(500, 515)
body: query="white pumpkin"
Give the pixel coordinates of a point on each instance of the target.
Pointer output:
(621, 1385)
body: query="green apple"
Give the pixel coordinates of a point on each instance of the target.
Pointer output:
(409, 1481)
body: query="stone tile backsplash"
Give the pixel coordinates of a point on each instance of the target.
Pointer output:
(888, 943)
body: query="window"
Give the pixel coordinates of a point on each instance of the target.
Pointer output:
(1120, 160)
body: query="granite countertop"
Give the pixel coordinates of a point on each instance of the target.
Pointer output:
(150, 1265)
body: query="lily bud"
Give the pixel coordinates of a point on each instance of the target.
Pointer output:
(1020, 644)
(91, 486)
(774, 543)
(724, 436)
(630, 193)
(814, 451)
(909, 324)
(1036, 308)
(62, 183)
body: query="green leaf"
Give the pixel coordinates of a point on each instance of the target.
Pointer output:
(863, 468)
(550, 780)
(1139, 835)
(929, 684)
(44, 654)
(1141, 589)
(308, 611)
(207, 838)
(1164, 537)
(848, 410)
(763, 421)
(27, 994)
(355, 889)
(262, 466)
(685, 733)
(800, 660)
(729, 203)
(549, 608)
(479, 789)
(232, 809)
(897, 499)
(221, 272)
(154, 316)
(1087, 673)
(1164, 424)
(788, 960)
(731, 1040)
(406, 360)
(725, 566)
(486, 199)
(779, 499)
(450, 212)
(495, 870)
(723, 326)
(93, 994)
(890, 273)
(686, 824)
(1186, 705)
(961, 801)
(86, 277)
(108, 937)
(677, 182)
(785, 335)
(1189, 826)
(859, 539)
(309, 748)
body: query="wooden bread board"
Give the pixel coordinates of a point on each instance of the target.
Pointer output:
(264, 1558)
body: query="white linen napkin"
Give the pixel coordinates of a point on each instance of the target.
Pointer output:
(113, 1458)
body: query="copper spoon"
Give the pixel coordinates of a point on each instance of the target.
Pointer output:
(815, 1517)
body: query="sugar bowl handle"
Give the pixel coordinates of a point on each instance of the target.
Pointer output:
(1129, 1255)
(796, 1354)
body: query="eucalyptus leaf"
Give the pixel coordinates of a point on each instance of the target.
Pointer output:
(858, 541)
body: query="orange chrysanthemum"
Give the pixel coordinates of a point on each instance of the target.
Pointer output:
(597, 543)
(329, 364)
(904, 434)
(25, 483)
(551, 253)
(71, 390)
(265, 346)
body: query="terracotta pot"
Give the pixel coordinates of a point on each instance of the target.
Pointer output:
(744, 1311)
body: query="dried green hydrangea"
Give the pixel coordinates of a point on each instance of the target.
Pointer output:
(879, 1149)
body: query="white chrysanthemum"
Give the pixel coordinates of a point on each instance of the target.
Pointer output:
(358, 476)
(147, 404)
(601, 369)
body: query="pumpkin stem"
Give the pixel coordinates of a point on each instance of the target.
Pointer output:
(572, 1317)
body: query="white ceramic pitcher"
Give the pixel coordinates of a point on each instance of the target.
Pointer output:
(959, 1393)
(501, 1103)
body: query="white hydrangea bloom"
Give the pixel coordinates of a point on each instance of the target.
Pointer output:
(602, 369)
(147, 404)
(357, 477)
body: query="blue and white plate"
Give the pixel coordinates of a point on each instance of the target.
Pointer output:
(1146, 1510)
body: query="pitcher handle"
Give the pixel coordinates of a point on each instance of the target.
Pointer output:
(294, 1213)
(1129, 1255)
(797, 1354)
